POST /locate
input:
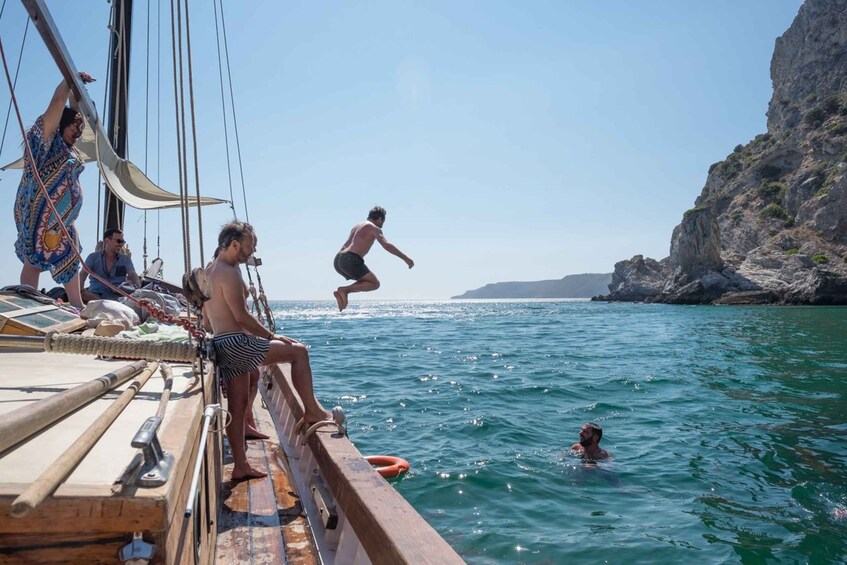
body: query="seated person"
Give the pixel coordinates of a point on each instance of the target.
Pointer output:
(110, 265)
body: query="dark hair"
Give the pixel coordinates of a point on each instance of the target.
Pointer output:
(233, 231)
(110, 232)
(376, 213)
(595, 430)
(69, 116)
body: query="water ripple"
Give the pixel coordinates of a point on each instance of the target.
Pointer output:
(727, 425)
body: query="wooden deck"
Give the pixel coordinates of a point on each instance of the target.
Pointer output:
(263, 514)
(94, 513)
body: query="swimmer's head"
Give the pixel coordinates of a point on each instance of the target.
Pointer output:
(590, 434)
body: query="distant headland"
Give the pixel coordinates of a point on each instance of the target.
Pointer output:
(572, 286)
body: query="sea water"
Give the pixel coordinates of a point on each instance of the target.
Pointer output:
(727, 425)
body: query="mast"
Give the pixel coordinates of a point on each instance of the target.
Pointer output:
(113, 210)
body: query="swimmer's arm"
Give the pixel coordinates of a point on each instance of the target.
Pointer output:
(232, 290)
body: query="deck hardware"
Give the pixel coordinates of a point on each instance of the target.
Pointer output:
(338, 420)
(211, 411)
(157, 463)
(137, 552)
(325, 503)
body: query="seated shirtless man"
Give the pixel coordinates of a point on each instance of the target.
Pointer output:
(350, 261)
(242, 343)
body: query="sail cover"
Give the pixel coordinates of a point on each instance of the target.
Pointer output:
(124, 179)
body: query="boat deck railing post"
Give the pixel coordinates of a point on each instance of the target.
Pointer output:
(208, 414)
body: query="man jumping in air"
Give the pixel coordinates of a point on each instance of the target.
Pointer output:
(350, 261)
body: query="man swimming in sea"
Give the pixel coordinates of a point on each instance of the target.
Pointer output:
(589, 443)
(350, 261)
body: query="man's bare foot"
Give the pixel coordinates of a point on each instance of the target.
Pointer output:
(252, 433)
(341, 299)
(249, 473)
(315, 417)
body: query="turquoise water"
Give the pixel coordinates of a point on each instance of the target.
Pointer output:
(727, 425)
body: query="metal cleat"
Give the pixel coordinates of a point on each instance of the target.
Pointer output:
(157, 464)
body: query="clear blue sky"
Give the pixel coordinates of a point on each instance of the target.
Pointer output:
(507, 140)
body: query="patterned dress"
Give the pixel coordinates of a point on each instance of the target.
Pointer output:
(41, 242)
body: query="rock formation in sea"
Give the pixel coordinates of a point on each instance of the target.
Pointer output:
(770, 226)
(572, 286)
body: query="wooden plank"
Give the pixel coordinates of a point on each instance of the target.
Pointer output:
(299, 544)
(262, 521)
(388, 527)
(182, 437)
(12, 326)
(88, 548)
(263, 518)
(28, 311)
(66, 515)
(81, 510)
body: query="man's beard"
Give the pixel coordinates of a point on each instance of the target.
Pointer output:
(585, 442)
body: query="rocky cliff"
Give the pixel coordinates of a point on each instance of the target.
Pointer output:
(770, 226)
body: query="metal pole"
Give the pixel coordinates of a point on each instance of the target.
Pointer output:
(113, 213)
(208, 414)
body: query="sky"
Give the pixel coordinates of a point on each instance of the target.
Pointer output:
(508, 141)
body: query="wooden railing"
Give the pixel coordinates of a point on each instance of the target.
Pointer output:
(374, 523)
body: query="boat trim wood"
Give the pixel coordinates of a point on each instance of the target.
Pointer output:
(375, 523)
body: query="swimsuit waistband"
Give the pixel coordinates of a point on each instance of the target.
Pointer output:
(227, 334)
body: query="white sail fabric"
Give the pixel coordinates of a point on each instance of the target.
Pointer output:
(124, 179)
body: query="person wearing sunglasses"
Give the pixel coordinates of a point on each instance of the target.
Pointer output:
(110, 263)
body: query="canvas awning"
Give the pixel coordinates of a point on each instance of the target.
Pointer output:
(124, 179)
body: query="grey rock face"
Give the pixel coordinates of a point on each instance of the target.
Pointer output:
(696, 242)
(770, 225)
(637, 279)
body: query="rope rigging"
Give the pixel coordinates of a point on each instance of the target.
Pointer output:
(146, 121)
(182, 49)
(261, 307)
(17, 69)
(157, 312)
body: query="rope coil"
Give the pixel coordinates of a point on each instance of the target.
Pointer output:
(118, 347)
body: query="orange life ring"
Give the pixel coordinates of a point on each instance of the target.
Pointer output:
(388, 466)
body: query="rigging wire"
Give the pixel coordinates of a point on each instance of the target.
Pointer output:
(225, 121)
(146, 122)
(17, 69)
(178, 106)
(123, 92)
(234, 119)
(158, 120)
(194, 132)
(260, 302)
(154, 309)
(100, 193)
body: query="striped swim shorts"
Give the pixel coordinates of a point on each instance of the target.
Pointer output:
(238, 353)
